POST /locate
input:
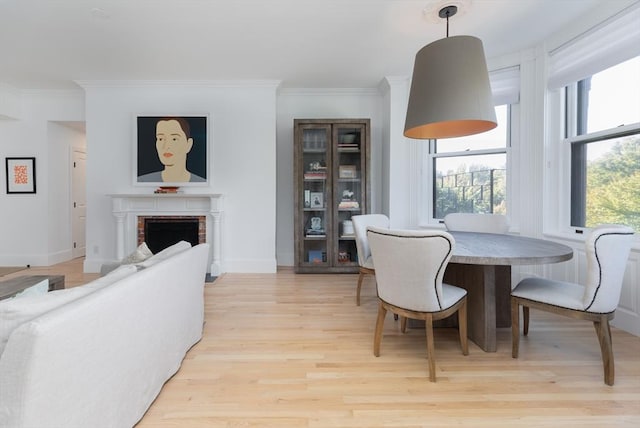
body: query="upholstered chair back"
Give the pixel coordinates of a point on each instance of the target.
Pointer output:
(485, 223)
(607, 248)
(410, 265)
(360, 224)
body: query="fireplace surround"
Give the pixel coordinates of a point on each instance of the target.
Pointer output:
(131, 211)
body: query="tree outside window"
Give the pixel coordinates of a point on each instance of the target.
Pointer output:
(605, 151)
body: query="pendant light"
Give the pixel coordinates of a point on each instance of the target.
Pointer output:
(450, 92)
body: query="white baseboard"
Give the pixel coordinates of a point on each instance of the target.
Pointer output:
(627, 321)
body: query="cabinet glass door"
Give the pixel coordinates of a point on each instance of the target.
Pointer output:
(316, 154)
(349, 198)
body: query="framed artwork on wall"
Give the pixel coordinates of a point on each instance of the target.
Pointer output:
(171, 151)
(21, 175)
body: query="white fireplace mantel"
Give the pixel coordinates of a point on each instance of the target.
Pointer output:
(127, 208)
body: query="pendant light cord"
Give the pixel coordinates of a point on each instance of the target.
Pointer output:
(447, 12)
(447, 24)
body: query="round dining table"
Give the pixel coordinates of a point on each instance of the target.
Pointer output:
(481, 264)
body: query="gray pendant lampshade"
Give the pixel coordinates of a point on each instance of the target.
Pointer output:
(450, 91)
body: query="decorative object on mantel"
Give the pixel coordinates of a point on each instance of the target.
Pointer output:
(167, 189)
(450, 93)
(171, 150)
(21, 175)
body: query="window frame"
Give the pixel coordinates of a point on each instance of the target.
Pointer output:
(596, 46)
(576, 147)
(575, 141)
(429, 156)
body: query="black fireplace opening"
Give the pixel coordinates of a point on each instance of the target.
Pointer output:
(162, 233)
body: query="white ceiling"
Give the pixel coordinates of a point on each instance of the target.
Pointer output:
(49, 44)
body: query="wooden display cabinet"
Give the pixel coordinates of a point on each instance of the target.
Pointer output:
(331, 176)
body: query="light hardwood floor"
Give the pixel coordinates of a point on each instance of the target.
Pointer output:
(285, 350)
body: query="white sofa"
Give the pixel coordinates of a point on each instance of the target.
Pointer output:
(100, 359)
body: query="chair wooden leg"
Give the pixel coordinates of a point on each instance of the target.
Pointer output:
(382, 312)
(360, 278)
(428, 326)
(462, 327)
(603, 330)
(403, 324)
(515, 327)
(525, 320)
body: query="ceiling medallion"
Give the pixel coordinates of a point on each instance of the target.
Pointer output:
(432, 9)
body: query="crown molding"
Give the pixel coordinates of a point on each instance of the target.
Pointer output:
(178, 83)
(329, 91)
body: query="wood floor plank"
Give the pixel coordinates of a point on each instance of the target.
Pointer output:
(285, 350)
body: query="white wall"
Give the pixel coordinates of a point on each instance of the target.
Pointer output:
(62, 139)
(31, 227)
(320, 104)
(401, 162)
(242, 156)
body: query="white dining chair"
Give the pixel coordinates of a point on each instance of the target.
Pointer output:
(607, 249)
(470, 222)
(365, 261)
(410, 265)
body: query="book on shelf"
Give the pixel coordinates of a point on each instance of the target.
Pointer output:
(315, 174)
(166, 190)
(316, 233)
(307, 198)
(349, 205)
(317, 256)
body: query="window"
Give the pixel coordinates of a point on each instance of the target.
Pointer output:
(603, 130)
(469, 173)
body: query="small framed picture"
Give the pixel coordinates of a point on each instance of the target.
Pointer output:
(317, 200)
(347, 171)
(21, 175)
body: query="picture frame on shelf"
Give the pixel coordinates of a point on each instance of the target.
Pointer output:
(21, 175)
(347, 171)
(171, 150)
(317, 199)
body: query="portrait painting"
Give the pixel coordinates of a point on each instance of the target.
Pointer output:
(172, 150)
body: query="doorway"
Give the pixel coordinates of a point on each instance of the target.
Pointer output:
(79, 203)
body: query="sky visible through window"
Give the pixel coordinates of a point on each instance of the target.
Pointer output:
(614, 100)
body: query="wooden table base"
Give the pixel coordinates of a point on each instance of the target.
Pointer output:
(488, 291)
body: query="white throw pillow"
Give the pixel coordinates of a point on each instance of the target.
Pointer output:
(16, 311)
(39, 288)
(141, 254)
(176, 248)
